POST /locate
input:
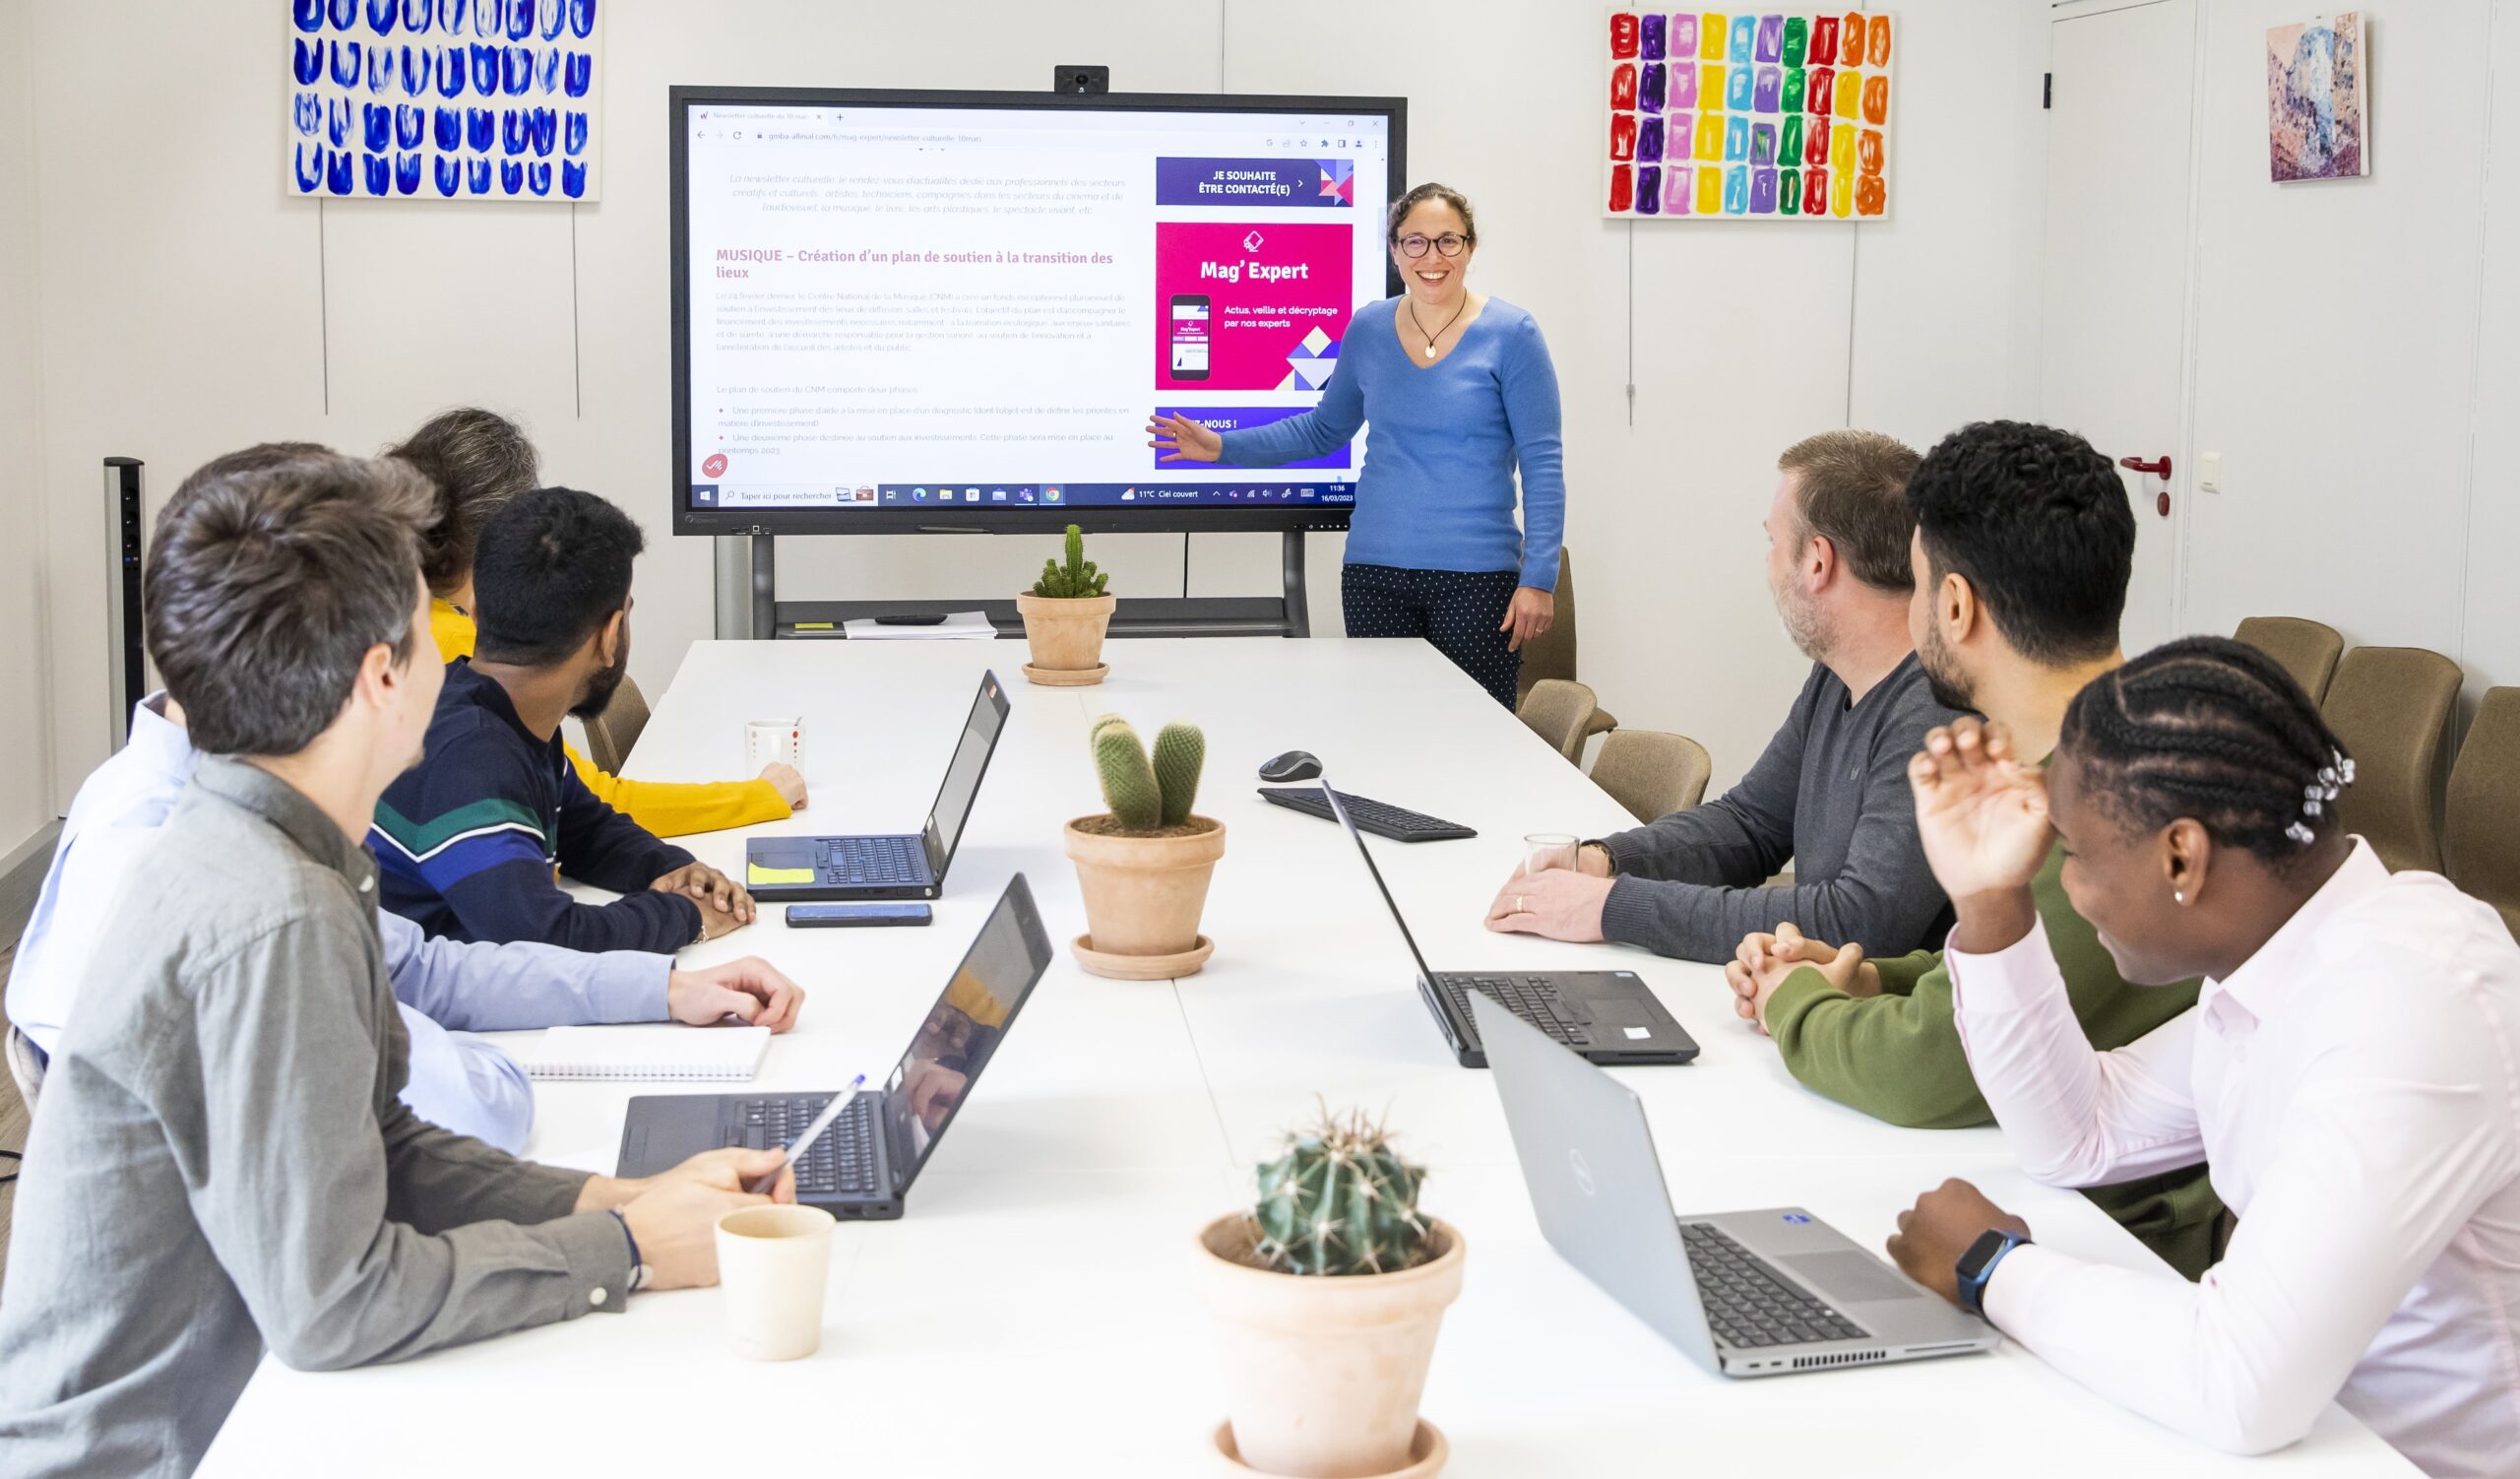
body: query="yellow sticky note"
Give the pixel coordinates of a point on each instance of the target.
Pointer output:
(754, 872)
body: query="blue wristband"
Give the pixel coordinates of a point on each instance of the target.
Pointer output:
(1978, 1264)
(638, 1268)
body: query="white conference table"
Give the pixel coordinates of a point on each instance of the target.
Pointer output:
(1034, 1312)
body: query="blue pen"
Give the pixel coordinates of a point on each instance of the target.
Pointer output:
(761, 1185)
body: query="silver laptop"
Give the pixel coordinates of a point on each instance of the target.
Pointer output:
(1745, 1294)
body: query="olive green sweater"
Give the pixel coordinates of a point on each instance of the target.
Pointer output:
(1898, 1056)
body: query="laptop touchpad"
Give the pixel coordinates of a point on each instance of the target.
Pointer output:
(1849, 1277)
(1619, 1012)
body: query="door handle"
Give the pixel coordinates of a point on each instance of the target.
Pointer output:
(2158, 467)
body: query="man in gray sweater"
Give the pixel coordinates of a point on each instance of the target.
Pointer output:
(1831, 791)
(223, 1159)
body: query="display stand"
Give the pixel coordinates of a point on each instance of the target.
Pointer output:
(759, 613)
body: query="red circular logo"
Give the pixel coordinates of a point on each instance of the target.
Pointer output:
(715, 465)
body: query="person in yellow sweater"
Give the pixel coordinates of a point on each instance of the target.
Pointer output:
(481, 460)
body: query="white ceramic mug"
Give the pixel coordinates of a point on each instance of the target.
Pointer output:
(768, 740)
(774, 1264)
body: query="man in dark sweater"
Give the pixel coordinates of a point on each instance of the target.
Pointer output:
(467, 841)
(2023, 548)
(1831, 791)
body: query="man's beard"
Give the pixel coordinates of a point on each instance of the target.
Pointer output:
(1943, 674)
(1805, 625)
(602, 687)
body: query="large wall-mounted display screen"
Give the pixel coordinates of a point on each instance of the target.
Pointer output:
(895, 310)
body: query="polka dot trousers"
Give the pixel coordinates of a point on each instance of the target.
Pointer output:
(1458, 611)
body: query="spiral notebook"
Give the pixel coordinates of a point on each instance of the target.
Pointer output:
(645, 1052)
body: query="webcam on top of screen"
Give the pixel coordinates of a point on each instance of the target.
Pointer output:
(1080, 81)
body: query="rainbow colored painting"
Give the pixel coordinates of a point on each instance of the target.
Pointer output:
(2317, 116)
(1763, 115)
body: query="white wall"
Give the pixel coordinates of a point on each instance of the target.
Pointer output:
(26, 766)
(192, 308)
(2355, 363)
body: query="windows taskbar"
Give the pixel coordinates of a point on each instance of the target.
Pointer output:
(913, 496)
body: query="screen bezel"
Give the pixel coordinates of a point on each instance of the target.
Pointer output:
(992, 699)
(1029, 519)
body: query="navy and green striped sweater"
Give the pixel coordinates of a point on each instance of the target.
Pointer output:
(467, 841)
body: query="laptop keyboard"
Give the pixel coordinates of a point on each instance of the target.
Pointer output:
(1534, 998)
(876, 860)
(1749, 1304)
(841, 1163)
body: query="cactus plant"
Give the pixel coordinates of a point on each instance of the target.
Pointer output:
(1340, 1201)
(1148, 795)
(1179, 750)
(1075, 580)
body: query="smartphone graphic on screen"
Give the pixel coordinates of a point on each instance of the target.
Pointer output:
(1189, 336)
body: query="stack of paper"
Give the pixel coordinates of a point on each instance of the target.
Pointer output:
(960, 627)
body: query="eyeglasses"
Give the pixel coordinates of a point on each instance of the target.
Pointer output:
(1450, 244)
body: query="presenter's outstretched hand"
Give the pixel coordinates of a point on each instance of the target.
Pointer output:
(1177, 438)
(750, 989)
(1530, 615)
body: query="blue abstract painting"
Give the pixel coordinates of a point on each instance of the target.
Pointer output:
(446, 99)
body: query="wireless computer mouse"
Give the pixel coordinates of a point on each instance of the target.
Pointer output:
(1294, 765)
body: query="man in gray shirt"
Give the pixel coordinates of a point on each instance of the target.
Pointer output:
(223, 1159)
(1830, 793)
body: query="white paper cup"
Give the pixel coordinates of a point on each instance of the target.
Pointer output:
(773, 1265)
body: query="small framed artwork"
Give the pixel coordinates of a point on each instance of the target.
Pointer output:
(2319, 99)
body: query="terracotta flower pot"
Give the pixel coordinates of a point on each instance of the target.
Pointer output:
(1142, 895)
(1323, 1372)
(1066, 633)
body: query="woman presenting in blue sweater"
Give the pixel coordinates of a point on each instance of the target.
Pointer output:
(1459, 390)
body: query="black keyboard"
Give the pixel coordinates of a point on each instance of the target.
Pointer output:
(875, 859)
(1398, 823)
(839, 1164)
(1534, 998)
(1749, 1304)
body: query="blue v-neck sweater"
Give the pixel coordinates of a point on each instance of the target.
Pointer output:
(1436, 492)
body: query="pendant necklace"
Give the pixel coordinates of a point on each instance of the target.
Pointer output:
(1439, 333)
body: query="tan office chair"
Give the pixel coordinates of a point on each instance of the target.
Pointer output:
(25, 1066)
(611, 733)
(1558, 710)
(2390, 706)
(2308, 650)
(1652, 773)
(2481, 825)
(1551, 654)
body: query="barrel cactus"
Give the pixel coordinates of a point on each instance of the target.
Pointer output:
(1340, 1201)
(1148, 795)
(1075, 580)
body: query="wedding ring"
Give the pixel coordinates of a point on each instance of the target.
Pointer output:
(1521, 905)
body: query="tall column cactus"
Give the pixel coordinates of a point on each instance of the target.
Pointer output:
(1148, 795)
(1340, 1201)
(1076, 579)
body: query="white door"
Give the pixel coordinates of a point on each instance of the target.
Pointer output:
(2115, 289)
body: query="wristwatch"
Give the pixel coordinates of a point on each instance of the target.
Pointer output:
(1977, 1266)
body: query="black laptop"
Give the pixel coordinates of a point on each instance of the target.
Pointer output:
(862, 1166)
(1609, 1017)
(794, 870)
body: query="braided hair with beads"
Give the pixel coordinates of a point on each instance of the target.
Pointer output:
(2215, 730)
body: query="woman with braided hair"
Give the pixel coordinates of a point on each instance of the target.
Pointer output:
(2350, 1072)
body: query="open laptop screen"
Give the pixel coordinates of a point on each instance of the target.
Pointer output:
(964, 1028)
(963, 776)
